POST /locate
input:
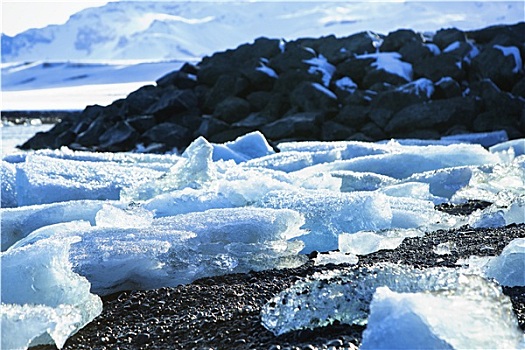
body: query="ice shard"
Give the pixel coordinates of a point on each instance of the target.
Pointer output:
(345, 296)
(43, 300)
(474, 315)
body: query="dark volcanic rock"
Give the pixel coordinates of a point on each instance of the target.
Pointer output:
(262, 84)
(495, 64)
(437, 115)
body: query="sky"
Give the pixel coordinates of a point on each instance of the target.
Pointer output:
(18, 16)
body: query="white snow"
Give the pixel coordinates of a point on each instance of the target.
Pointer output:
(515, 53)
(346, 84)
(390, 62)
(321, 65)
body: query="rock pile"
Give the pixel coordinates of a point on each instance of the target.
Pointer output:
(366, 86)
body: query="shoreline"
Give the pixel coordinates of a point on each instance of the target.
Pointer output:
(224, 311)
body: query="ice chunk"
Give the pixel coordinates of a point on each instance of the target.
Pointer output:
(43, 300)
(486, 139)
(345, 295)
(194, 170)
(446, 182)
(416, 190)
(347, 149)
(293, 161)
(8, 191)
(444, 248)
(186, 201)
(329, 213)
(335, 257)
(246, 147)
(500, 184)
(366, 242)
(17, 223)
(362, 181)
(111, 216)
(405, 161)
(497, 216)
(41, 180)
(509, 268)
(518, 147)
(180, 249)
(462, 318)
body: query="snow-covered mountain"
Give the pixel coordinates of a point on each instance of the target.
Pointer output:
(182, 31)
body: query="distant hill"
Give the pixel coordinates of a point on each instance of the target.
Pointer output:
(184, 31)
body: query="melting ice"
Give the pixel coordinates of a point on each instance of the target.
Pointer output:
(144, 221)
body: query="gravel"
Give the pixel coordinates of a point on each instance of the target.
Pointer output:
(223, 312)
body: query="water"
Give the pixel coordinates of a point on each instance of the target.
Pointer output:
(15, 135)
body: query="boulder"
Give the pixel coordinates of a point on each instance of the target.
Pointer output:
(292, 58)
(139, 101)
(437, 67)
(399, 38)
(353, 116)
(297, 126)
(232, 109)
(90, 137)
(334, 131)
(179, 79)
(438, 115)
(170, 134)
(414, 51)
(502, 65)
(173, 101)
(445, 37)
(226, 86)
(373, 131)
(120, 137)
(259, 99)
(142, 123)
(446, 87)
(311, 97)
(210, 126)
(353, 68)
(49, 139)
(519, 88)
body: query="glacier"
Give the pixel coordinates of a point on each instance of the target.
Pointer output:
(111, 222)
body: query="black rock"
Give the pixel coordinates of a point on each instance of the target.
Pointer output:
(353, 116)
(210, 126)
(173, 101)
(334, 131)
(118, 138)
(292, 58)
(139, 101)
(226, 86)
(302, 125)
(437, 115)
(414, 51)
(178, 79)
(396, 40)
(446, 88)
(438, 67)
(492, 63)
(232, 109)
(311, 97)
(170, 134)
(445, 37)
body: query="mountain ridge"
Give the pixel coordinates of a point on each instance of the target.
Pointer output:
(185, 31)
